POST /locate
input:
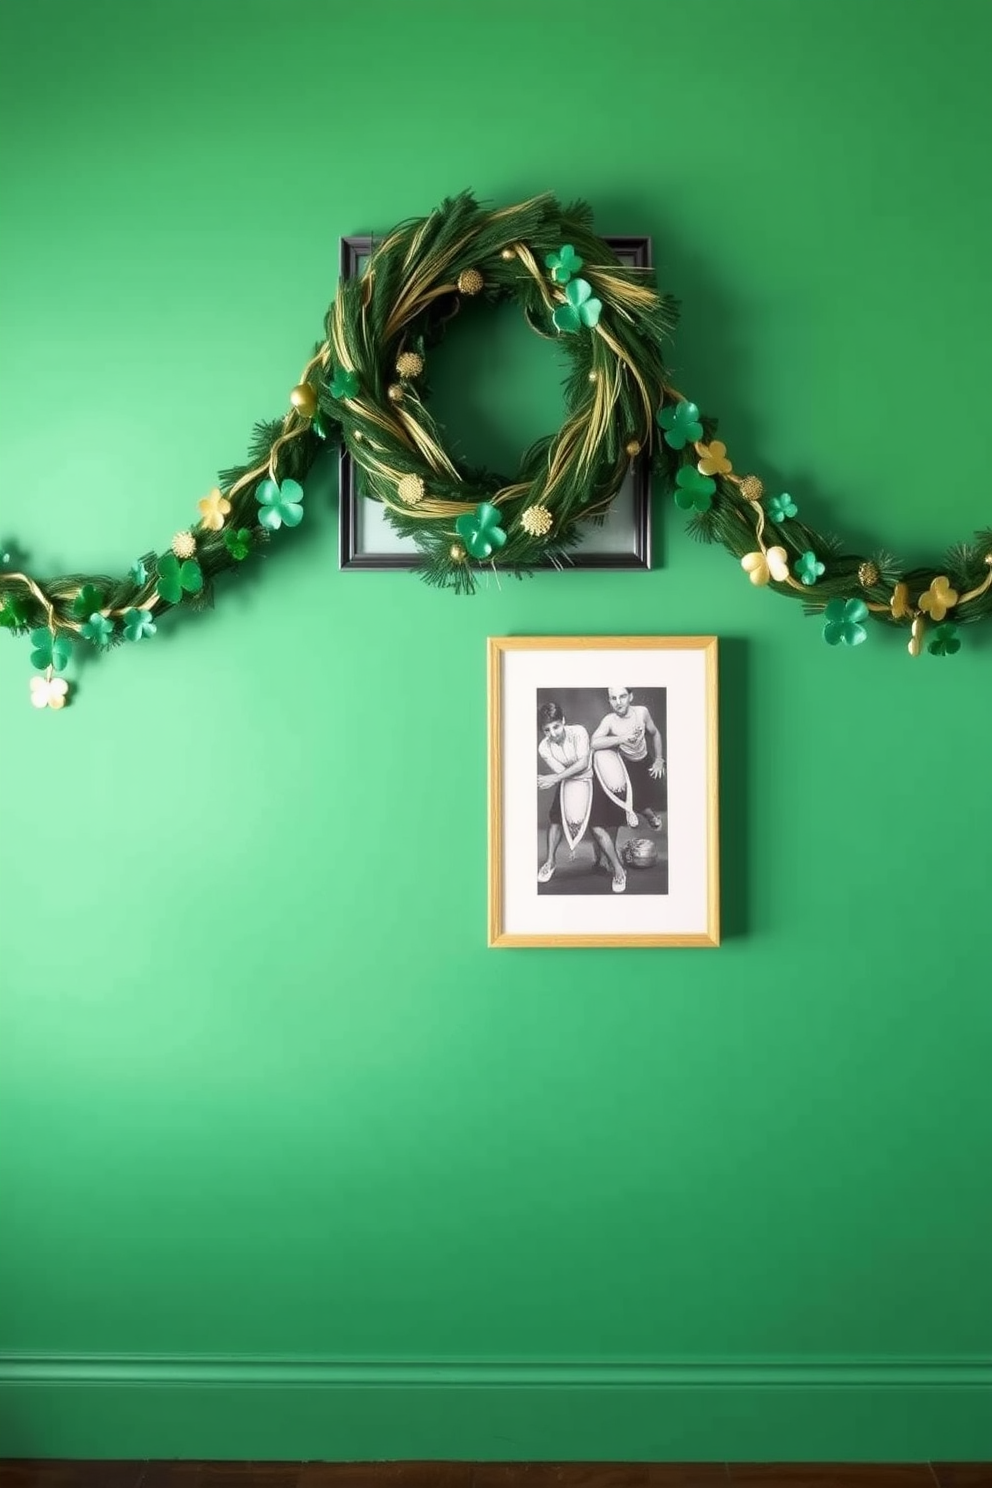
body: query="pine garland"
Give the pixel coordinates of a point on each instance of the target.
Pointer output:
(365, 386)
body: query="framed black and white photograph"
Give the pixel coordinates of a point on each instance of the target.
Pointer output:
(603, 791)
(367, 541)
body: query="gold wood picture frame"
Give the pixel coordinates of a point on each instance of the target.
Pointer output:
(603, 791)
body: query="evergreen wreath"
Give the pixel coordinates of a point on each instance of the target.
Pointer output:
(570, 286)
(365, 387)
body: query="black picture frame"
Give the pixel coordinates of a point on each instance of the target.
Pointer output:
(636, 251)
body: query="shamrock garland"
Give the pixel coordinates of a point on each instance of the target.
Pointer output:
(363, 388)
(733, 510)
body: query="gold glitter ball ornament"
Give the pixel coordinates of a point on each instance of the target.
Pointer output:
(457, 553)
(506, 254)
(470, 282)
(394, 392)
(868, 575)
(184, 545)
(304, 400)
(409, 364)
(751, 488)
(632, 447)
(411, 489)
(536, 521)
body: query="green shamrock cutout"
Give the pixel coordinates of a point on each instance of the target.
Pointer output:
(843, 622)
(138, 574)
(344, 384)
(138, 624)
(563, 264)
(87, 601)
(97, 629)
(279, 504)
(176, 579)
(944, 641)
(780, 507)
(681, 424)
(809, 568)
(238, 543)
(50, 651)
(480, 530)
(13, 615)
(693, 492)
(581, 310)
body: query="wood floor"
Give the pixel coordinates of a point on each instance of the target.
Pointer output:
(58, 1474)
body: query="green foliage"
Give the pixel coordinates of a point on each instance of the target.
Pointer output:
(403, 303)
(14, 613)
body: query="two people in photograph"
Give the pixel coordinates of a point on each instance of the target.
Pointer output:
(602, 782)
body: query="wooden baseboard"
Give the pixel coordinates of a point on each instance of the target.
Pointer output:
(196, 1474)
(155, 1407)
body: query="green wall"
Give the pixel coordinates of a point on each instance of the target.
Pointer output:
(291, 1164)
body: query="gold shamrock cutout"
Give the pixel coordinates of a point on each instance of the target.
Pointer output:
(939, 598)
(49, 692)
(760, 567)
(915, 645)
(713, 458)
(213, 509)
(899, 603)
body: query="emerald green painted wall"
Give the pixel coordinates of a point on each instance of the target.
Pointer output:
(264, 1090)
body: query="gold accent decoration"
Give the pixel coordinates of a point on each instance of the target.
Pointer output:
(184, 545)
(409, 364)
(633, 447)
(980, 589)
(752, 489)
(623, 358)
(320, 359)
(536, 521)
(899, 603)
(771, 564)
(213, 509)
(394, 392)
(939, 598)
(470, 282)
(304, 400)
(868, 575)
(457, 553)
(48, 691)
(916, 640)
(594, 375)
(713, 458)
(411, 489)
(506, 254)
